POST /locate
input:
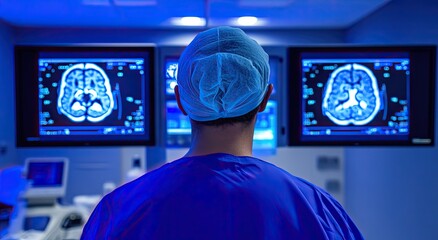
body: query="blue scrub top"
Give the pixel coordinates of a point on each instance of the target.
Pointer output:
(219, 196)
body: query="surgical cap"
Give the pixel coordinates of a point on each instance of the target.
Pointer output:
(222, 73)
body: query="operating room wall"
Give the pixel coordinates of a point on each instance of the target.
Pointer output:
(90, 167)
(392, 192)
(7, 153)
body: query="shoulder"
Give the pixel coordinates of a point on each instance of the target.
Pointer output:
(128, 202)
(150, 185)
(331, 214)
(312, 203)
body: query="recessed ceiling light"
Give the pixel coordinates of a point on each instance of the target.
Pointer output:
(192, 21)
(188, 21)
(247, 21)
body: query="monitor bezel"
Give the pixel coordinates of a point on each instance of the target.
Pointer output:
(28, 54)
(294, 101)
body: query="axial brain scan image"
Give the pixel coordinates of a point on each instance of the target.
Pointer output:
(351, 96)
(355, 96)
(85, 93)
(103, 96)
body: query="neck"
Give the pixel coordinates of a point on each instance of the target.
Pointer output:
(233, 139)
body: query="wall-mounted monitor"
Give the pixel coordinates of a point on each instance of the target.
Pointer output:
(84, 96)
(361, 95)
(178, 125)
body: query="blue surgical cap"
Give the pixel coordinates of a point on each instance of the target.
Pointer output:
(222, 73)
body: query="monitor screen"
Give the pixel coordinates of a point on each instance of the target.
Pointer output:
(361, 95)
(38, 223)
(84, 95)
(178, 125)
(47, 177)
(171, 72)
(265, 132)
(44, 174)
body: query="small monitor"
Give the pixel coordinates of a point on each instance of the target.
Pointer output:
(80, 96)
(265, 131)
(47, 177)
(361, 95)
(178, 125)
(179, 129)
(171, 73)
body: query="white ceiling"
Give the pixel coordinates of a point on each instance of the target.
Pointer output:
(160, 13)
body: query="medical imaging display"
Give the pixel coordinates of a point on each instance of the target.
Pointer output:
(171, 73)
(94, 96)
(265, 132)
(91, 96)
(355, 96)
(178, 125)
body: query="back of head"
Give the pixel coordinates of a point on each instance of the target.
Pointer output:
(222, 74)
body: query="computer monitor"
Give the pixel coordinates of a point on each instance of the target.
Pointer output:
(361, 95)
(178, 125)
(171, 73)
(47, 177)
(84, 96)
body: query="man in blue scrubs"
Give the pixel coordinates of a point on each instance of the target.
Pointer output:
(218, 190)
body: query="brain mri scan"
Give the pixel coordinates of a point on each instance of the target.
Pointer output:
(351, 95)
(85, 93)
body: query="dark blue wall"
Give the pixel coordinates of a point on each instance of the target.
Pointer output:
(7, 137)
(392, 193)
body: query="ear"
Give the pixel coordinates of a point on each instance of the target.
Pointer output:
(266, 98)
(178, 100)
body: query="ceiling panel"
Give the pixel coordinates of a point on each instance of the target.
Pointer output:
(159, 13)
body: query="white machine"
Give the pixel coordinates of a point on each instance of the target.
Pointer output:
(39, 214)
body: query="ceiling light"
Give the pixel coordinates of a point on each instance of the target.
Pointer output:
(247, 21)
(188, 21)
(192, 21)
